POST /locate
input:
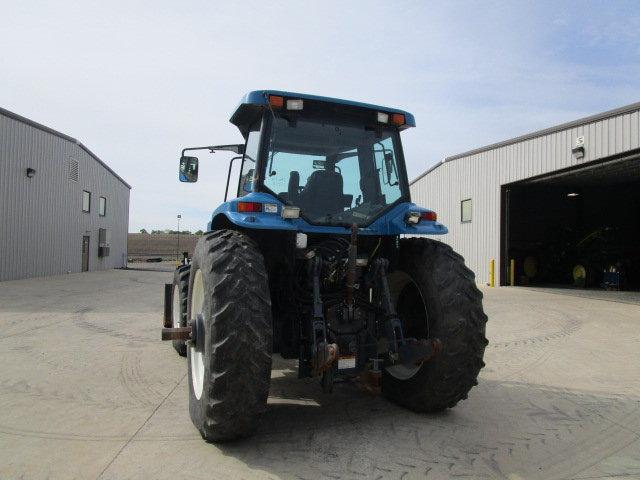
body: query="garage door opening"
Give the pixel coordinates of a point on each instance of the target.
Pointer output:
(579, 227)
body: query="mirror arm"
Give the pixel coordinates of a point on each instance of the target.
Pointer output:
(193, 148)
(239, 148)
(226, 190)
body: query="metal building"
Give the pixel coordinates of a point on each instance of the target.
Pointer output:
(62, 209)
(563, 203)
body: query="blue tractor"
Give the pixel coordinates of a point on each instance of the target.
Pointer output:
(321, 257)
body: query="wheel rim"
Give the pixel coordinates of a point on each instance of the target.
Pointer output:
(196, 358)
(176, 307)
(406, 292)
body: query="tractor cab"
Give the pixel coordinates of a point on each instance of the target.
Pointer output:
(340, 163)
(323, 162)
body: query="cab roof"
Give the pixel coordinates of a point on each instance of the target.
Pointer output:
(253, 102)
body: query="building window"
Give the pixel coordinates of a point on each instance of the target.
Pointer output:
(465, 210)
(102, 207)
(86, 201)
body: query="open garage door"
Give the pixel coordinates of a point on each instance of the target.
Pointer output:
(579, 226)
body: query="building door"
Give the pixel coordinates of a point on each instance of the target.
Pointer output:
(576, 227)
(85, 253)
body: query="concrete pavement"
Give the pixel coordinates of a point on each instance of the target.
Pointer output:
(87, 391)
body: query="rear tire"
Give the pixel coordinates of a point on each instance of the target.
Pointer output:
(432, 274)
(180, 294)
(229, 380)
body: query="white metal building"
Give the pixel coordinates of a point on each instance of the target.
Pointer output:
(550, 200)
(62, 209)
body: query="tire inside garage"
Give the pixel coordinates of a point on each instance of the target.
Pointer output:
(578, 227)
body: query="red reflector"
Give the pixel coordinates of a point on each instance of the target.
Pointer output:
(397, 119)
(429, 216)
(250, 207)
(276, 101)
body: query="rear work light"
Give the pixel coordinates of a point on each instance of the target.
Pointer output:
(295, 104)
(413, 218)
(290, 212)
(276, 101)
(397, 119)
(249, 207)
(383, 117)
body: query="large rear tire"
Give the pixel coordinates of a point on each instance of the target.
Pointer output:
(179, 310)
(436, 297)
(229, 378)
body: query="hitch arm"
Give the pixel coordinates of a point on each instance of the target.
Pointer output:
(410, 352)
(392, 325)
(324, 353)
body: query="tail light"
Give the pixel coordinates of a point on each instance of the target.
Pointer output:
(429, 216)
(249, 207)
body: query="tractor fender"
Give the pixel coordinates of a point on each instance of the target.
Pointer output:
(227, 213)
(392, 222)
(398, 224)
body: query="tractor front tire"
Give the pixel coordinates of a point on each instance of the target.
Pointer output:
(179, 310)
(230, 366)
(436, 297)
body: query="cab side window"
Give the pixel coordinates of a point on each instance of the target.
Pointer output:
(247, 171)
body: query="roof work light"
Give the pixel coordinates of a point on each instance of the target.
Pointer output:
(294, 104)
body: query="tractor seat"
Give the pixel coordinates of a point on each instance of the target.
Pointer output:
(323, 194)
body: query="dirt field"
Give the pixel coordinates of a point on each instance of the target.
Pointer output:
(146, 245)
(88, 391)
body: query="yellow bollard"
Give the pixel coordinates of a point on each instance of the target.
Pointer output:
(492, 273)
(512, 272)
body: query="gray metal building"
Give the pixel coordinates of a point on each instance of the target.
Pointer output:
(550, 200)
(62, 209)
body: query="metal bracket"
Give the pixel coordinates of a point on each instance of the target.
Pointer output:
(168, 306)
(414, 352)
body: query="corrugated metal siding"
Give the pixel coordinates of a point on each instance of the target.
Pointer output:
(480, 176)
(41, 219)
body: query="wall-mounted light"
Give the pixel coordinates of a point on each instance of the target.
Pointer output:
(578, 150)
(31, 172)
(572, 194)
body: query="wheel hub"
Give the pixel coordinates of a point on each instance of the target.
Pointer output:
(197, 333)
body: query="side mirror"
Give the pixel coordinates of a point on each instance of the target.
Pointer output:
(188, 169)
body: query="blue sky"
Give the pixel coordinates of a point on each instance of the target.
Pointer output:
(137, 81)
